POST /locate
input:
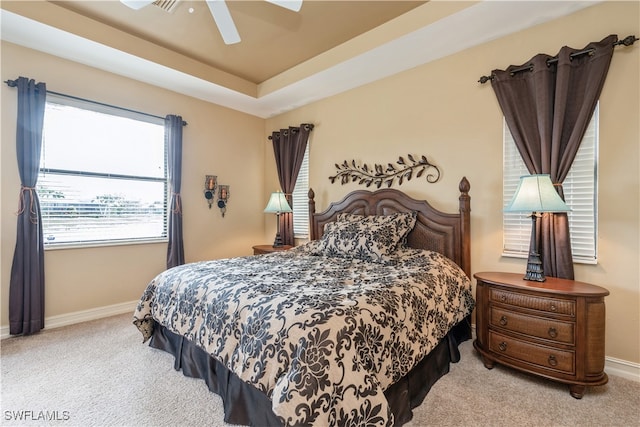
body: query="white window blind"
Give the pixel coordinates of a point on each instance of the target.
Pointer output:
(102, 175)
(580, 191)
(301, 200)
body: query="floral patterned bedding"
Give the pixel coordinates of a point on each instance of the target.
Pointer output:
(322, 336)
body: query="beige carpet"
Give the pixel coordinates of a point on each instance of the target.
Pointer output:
(99, 374)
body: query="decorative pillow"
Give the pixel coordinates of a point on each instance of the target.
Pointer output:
(371, 238)
(349, 217)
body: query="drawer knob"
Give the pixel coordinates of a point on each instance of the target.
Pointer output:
(553, 307)
(503, 320)
(502, 346)
(553, 333)
(503, 298)
(552, 360)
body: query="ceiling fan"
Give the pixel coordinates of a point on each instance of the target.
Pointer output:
(221, 15)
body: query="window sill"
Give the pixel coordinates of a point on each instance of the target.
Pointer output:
(575, 260)
(89, 245)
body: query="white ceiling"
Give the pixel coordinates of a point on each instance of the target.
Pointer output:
(372, 55)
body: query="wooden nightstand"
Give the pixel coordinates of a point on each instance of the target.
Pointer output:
(553, 329)
(267, 249)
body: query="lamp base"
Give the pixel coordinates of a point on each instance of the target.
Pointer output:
(277, 243)
(534, 268)
(535, 272)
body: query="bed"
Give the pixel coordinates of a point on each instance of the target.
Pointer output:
(351, 328)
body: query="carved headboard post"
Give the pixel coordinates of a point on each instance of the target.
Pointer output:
(465, 224)
(312, 210)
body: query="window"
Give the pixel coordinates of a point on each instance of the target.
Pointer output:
(102, 175)
(301, 200)
(580, 191)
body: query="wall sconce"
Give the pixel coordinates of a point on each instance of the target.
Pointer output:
(535, 194)
(223, 198)
(210, 184)
(277, 204)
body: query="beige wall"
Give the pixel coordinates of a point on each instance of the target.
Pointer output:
(440, 110)
(217, 141)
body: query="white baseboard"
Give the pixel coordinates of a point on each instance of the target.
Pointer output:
(622, 368)
(81, 316)
(613, 366)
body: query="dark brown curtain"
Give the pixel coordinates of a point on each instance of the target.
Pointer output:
(173, 138)
(548, 108)
(26, 286)
(288, 147)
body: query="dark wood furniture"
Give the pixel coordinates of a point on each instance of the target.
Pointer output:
(267, 249)
(446, 233)
(553, 329)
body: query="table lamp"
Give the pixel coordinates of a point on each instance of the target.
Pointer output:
(277, 205)
(535, 194)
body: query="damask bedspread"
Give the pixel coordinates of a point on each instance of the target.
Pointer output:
(321, 336)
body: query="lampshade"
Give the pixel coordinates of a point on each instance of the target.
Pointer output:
(535, 193)
(277, 204)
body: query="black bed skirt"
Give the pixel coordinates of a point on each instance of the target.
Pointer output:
(246, 405)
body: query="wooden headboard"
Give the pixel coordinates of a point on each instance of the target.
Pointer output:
(447, 233)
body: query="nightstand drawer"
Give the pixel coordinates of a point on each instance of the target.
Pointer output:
(548, 305)
(542, 356)
(561, 332)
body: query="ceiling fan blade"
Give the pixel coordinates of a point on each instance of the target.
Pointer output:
(136, 4)
(294, 5)
(226, 26)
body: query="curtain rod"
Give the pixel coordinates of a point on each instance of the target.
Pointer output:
(12, 83)
(627, 41)
(307, 126)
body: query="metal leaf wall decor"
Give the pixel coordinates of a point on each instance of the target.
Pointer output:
(379, 174)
